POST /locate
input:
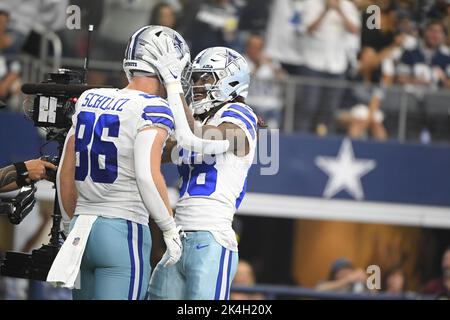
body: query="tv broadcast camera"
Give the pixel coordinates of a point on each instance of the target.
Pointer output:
(50, 106)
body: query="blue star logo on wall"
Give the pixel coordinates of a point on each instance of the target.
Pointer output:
(345, 171)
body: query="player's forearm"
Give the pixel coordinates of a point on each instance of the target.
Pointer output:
(168, 149)
(156, 200)
(68, 196)
(161, 186)
(188, 113)
(8, 176)
(155, 169)
(147, 162)
(230, 132)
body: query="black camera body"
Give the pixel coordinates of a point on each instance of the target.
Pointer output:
(29, 266)
(52, 108)
(55, 98)
(54, 103)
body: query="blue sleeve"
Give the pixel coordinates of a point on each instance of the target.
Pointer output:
(159, 115)
(242, 116)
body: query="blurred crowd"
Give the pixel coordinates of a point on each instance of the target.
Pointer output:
(344, 277)
(373, 43)
(315, 47)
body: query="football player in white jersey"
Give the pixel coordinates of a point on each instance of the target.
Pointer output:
(111, 169)
(213, 186)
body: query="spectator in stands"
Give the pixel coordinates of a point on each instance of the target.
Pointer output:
(365, 115)
(394, 281)
(379, 44)
(409, 31)
(328, 24)
(446, 22)
(426, 67)
(209, 23)
(29, 14)
(284, 35)
(429, 63)
(440, 287)
(438, 9)
(74, 42)
(253, 17)
(265, 93)
(254, 14)
(120, 19)
(245, 276)
(9, 68)
(5, 39)
(344, 277)
(163, 14)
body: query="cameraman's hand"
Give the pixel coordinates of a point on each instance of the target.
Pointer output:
(37, 169)
(169, 66)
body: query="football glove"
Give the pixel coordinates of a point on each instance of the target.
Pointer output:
(174, 246)
(166, 61)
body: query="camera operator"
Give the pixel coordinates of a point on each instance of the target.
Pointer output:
(23, 173)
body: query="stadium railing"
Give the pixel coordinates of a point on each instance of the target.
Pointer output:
(273, 292)
(405, 107)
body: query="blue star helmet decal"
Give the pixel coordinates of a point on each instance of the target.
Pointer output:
(178, 45)
(230, 58)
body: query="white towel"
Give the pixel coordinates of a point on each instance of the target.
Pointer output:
(66, 267)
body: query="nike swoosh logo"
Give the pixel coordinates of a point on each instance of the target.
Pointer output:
(202, 246)
(172, 74)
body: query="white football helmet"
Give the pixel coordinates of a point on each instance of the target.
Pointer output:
(231, 77)
(134, 64)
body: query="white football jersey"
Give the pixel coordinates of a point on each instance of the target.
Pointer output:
(106, 123)
(213, 186)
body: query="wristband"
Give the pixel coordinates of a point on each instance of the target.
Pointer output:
(22, 174)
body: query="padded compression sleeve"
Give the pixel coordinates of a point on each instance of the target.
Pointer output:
(147, 188)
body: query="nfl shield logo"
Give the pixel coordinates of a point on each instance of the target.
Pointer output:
(76, 241)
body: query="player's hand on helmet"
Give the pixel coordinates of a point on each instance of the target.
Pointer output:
(174, 246)
(166, 61)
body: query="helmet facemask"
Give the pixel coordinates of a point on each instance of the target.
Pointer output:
(205, 90)
(186, 82)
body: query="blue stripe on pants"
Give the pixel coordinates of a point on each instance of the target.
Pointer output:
(227, 293)
(219, 276)
(133, 267)
(141, 264)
